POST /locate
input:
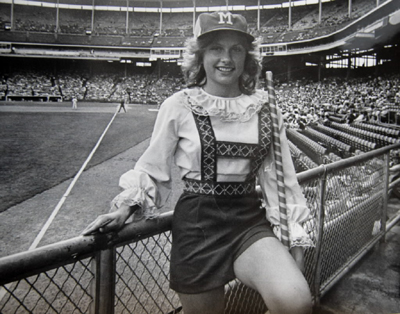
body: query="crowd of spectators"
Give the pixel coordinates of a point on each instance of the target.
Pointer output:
(358, 112)
(340, 100)
(138, 88)
(28, 84)
(302, 102)
(335, 16)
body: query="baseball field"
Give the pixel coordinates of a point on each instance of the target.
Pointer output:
(43, 147)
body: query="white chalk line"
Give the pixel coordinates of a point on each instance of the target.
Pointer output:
(70, 187)
(62, 200)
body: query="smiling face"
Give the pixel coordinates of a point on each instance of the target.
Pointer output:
(223, 62)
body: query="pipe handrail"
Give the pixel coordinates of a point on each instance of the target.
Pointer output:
(341, 164)
(20, 265)
(17, 266)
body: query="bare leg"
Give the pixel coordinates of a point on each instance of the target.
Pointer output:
(210, 302)
(268, 267)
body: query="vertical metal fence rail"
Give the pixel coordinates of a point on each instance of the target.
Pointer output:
(385, 192)
(318, 247)
(105, 281)
(128, 272)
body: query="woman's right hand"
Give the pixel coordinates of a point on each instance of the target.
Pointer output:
(113, 221)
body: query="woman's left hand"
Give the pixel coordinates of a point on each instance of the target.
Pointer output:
(298, 255)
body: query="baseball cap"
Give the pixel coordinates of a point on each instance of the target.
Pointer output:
(221, 20)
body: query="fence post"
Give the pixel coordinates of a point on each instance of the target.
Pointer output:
(386, 159)
(318, 246)
(105, 281)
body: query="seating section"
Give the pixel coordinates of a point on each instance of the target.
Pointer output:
(383, 130)
(346, 117)
(140, 88)
(301, 161)
(305, 144)
(332, 144)
(31, 86)
(72, 85)
(355, 142)
(378, 139)
(305, 23)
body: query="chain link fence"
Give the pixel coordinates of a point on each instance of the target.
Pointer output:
(142, 284)
(351, 208)
(66, 289)
(128, 272)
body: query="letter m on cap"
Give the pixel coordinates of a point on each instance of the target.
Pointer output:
(225, 18)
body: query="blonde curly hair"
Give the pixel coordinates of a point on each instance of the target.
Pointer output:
(193, 69)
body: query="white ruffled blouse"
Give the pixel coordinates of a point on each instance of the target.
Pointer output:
(175, 139)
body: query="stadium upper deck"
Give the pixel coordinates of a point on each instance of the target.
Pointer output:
(270, 20)
(146, 31)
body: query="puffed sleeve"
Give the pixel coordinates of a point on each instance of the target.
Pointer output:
(149, 183)
(297, 210)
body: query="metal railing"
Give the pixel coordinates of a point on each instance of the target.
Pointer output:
(127, 272)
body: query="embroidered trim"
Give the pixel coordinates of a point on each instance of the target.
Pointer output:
(208, 148)
(303, 242)
(219, 188)
(233, 149)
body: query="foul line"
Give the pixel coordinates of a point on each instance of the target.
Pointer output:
(64, 197)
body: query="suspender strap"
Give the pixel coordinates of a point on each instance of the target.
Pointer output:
(208, 148)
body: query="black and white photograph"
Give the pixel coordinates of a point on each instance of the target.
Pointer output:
(200, 156)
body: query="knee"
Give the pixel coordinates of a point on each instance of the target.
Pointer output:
(300, 304)
(291, 301)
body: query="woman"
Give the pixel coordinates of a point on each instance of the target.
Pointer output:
(218, 131)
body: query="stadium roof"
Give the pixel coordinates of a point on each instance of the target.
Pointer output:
(176, 4)
(173, 3)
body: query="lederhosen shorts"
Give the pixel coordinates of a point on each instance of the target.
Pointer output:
(208, 233)
(215, 222)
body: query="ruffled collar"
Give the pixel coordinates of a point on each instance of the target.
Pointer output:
(241, 108)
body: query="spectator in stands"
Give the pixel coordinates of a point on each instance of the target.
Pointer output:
(302, 121)
(326, 121)
(385, 116)
(312, 117)
(374, 116)
(363, 116)
(397, 97)
(350, 116)
(219, 229)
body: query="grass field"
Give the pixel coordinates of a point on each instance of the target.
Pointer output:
(42, 149)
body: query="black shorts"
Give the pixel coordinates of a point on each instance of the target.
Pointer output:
(208, 233)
